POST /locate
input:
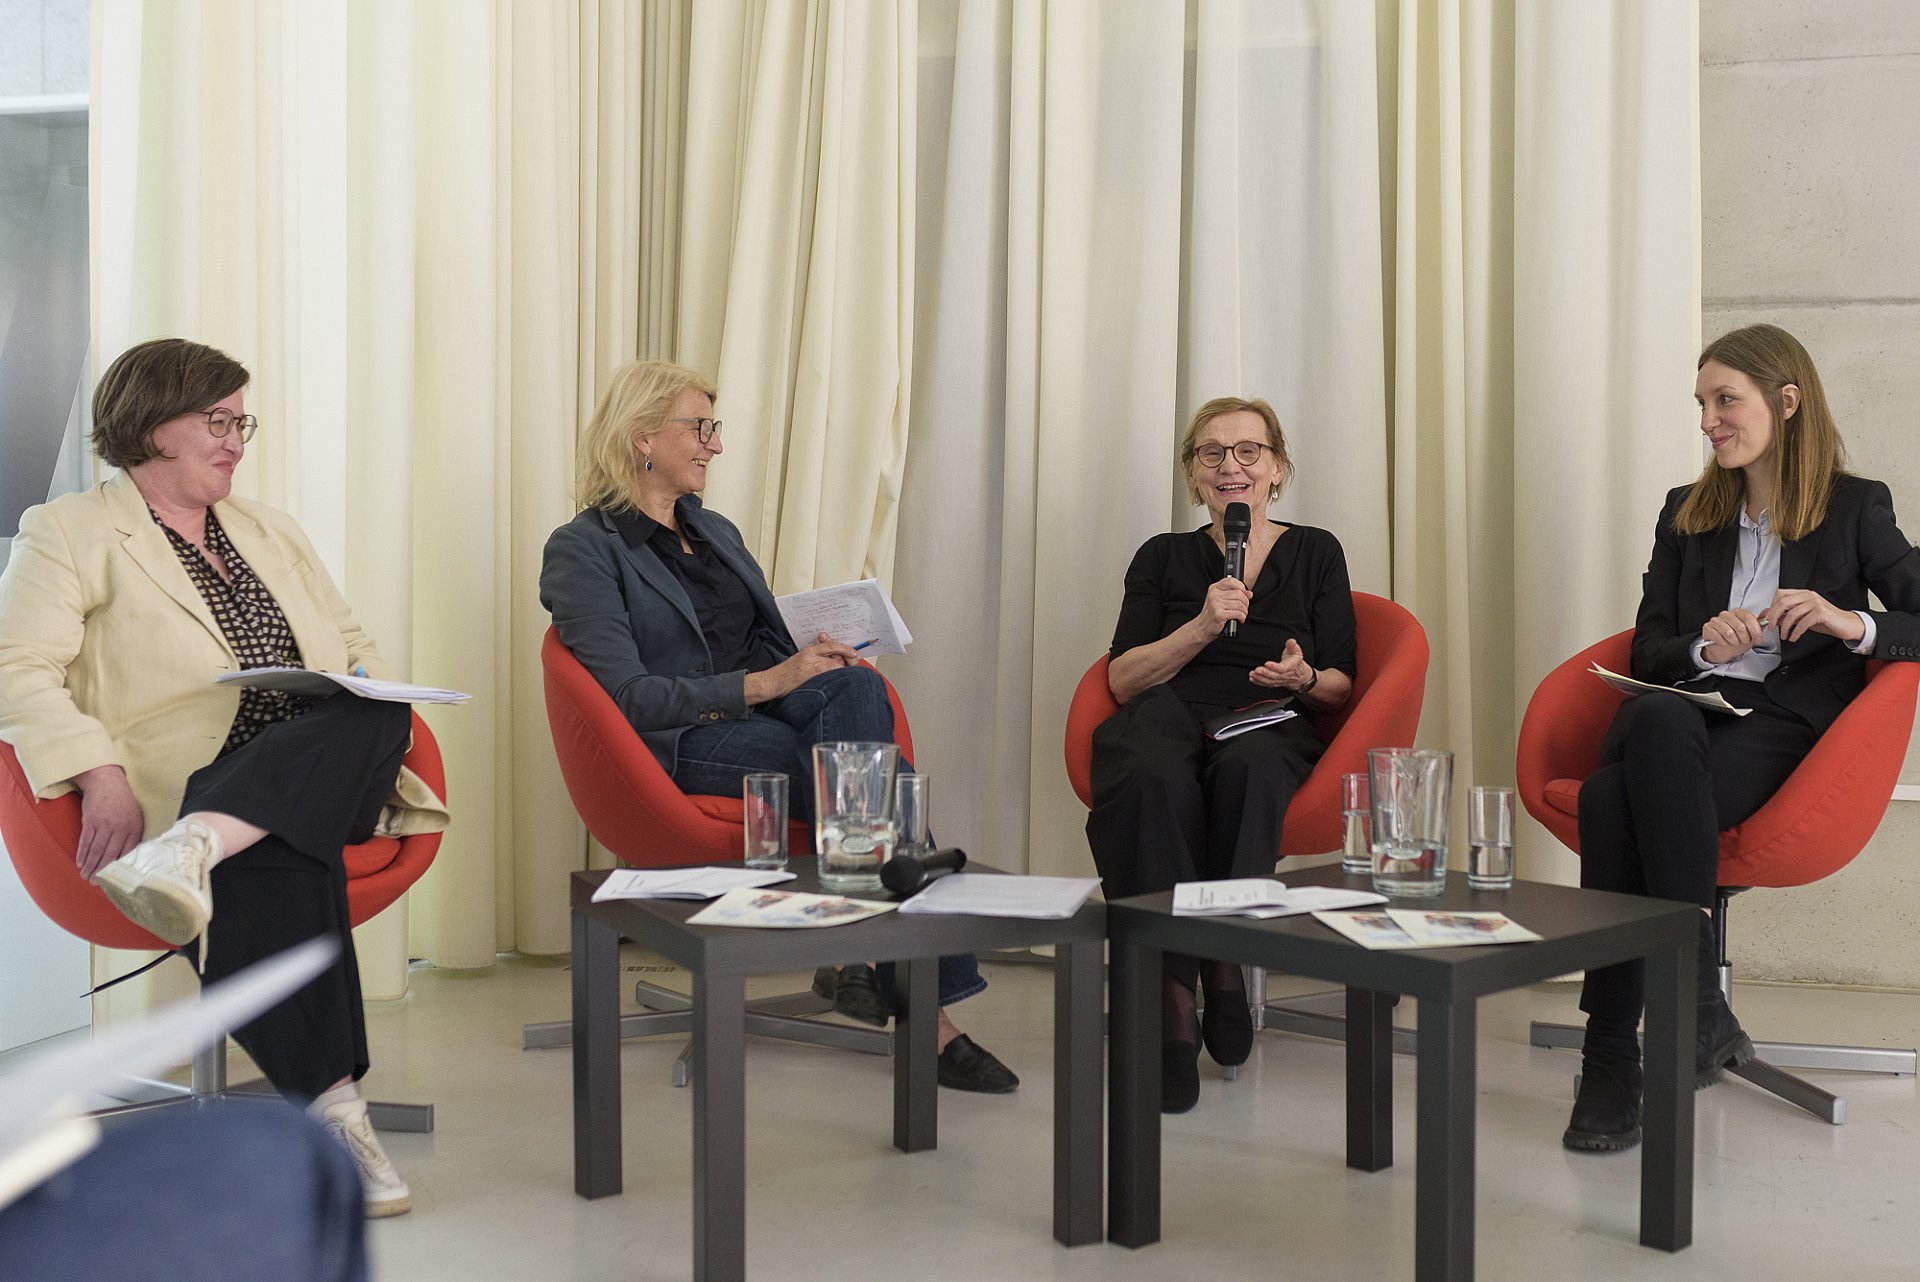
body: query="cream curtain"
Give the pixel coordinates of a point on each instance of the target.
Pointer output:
(418, 223)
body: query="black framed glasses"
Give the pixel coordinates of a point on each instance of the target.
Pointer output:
(1246, 453)
(220, 422)
(705, 428)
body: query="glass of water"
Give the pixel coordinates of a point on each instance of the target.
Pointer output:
(1490, 839)
(853, 813)
(1411, 793)
(1356, 826)
(765, 800)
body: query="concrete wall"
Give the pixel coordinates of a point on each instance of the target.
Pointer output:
(1810, 186)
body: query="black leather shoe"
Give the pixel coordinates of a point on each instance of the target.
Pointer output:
(967, 1066)
(1179, 1075)
(854, 992)
(1226, 1023)
(1606, 1112)
(1719, 1043)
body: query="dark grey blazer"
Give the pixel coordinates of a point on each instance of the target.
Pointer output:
(629, 622)
(1856, 549)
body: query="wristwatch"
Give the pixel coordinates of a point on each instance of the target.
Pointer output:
(1312, 681)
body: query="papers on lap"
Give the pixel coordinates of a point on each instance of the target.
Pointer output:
(1263, 897)
(785, 909)
(1705, 698)
(858, 614)
(318, 685)
(683, 883)
(994, 895)
(1267, 712)
(1426, 928)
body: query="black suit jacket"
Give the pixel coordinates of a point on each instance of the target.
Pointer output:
(1856, 549)
(630, 623)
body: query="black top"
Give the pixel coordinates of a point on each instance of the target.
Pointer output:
(1302, 593)
(251, 621)
(720, 599)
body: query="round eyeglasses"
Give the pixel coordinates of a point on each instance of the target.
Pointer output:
(705, 428)
(1246, 453)
(220, 422)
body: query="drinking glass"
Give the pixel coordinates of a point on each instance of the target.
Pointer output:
(1490, 839)
(911, 833)
(765, 800)
(1356, 826)
(1412, 793)
(853, 813)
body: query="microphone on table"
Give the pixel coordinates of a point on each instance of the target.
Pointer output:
(904, 874)
(1237, 527)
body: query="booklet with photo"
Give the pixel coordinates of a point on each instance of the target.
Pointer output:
(1369, 930)
(1705, 698)
(1267, 712)
(1441, 928)
(785, 909)
(1262, 898)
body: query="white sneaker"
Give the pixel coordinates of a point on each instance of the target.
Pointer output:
(347, 1121)
(161, 885)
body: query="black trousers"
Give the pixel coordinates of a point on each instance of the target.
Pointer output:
(1171, 804)
(1671, 776)
(316, 784)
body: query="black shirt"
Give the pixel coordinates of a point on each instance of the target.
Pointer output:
(1302, 593)
(720, 599)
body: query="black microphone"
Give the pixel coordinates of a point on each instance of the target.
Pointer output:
(904, 874)
(1237, 527)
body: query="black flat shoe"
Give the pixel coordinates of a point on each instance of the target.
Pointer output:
(1606, 1112)
(1226, 1023)
(968, 1066)
(854, 992)
(1179, 1075)
(1719, 1043)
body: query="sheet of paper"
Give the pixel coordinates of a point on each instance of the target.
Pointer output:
(859, 614)
(1313, 899)
(785, 910)
(684, 883)
(1232, 895)
(39, 1132)
(997, 895)
(1705, 698)
(1439, 928)
(318, 685)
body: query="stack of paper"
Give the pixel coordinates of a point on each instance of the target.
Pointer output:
(318, 685)
(1262, 898)
(996, 895)
(684, 883)
(1705, 698)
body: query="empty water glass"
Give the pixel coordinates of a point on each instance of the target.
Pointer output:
(765, 800)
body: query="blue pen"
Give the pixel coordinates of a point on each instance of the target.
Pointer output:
(359, 669)
(864, 644)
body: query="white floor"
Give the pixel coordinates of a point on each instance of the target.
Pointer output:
(1256, 1186)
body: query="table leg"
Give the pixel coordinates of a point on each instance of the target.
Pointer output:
(719, 1128)
(916, 1075)
(1133, 1096)
(1666, 1161)
(1443, 1160)
(1077, 1052)
(596, 1057)
(1369, 1080)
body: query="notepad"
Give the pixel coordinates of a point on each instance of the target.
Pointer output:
(318, 685)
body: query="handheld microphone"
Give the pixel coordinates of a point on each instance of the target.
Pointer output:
(1237, 526)
(904, 874)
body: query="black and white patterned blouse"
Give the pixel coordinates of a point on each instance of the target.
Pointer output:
(252, 623)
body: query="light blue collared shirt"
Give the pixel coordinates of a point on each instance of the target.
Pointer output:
(1756, 579)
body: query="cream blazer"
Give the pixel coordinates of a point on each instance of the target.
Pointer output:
(108, 654)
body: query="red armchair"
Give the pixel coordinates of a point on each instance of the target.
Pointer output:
(1390, 680)
(634, 809)
(1822, 817)
(41, 837)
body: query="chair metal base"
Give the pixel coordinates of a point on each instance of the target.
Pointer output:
(144, 1095)
(1321, 1014)
(1765, 1070)
(783, 1017)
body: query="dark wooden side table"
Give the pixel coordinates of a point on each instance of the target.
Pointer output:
(720, 958)
(1579, 928)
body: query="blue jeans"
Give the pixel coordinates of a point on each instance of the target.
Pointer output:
(232, 1193)
(841, 704)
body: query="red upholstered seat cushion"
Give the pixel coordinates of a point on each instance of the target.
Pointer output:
(371, 856)
(1564, 795)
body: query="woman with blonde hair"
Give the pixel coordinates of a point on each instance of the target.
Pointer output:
(1757, 590)
(1171, 803)
(661, 601)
